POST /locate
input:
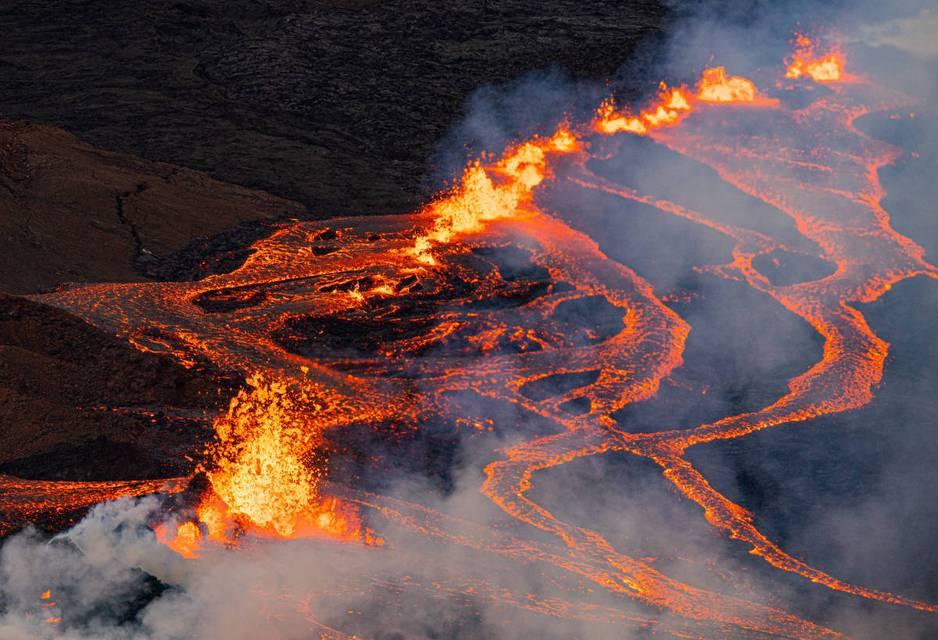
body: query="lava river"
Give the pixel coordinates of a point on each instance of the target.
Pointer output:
(392, 319)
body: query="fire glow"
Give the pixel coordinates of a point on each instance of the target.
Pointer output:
(503, 189)
(260, 484)
(808, 62)
(267, 465)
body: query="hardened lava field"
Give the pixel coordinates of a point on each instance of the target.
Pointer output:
(495, 315)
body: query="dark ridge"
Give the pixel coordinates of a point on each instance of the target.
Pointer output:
(314, 335)
(220, 253)
(388, 321)
(557, 384)
(225, 300)
(601, 317)
(93, 460)
(518, 296)
(784, 268)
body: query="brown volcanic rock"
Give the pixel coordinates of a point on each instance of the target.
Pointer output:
(335, 103)
(70, 212)
(76, 403)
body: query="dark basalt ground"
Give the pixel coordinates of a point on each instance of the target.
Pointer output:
(78, 404)
(167, 136)
(337, 104)
(148, 120)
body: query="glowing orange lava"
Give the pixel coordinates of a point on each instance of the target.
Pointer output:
(261, 483)
(675, 104)
(417, 307)
(46, 602)
(184, 538)
(716, 86)
(255, 464)
(807, 61)
(489, 192)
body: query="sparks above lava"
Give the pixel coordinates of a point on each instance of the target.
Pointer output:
(260, 482)
(807, 61)
(416, 306)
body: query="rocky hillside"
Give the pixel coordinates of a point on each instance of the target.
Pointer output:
(335, 103)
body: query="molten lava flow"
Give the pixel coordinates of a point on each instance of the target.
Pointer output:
(260, 482)
(355, 321)
(675, 104)
(183, 538)
(490, 192)
(716, 86)
(807, 61)
(60, 502)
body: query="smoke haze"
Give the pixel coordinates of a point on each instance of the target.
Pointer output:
(850, 493)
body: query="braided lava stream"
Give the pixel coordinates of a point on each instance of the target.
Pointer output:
(431, 312)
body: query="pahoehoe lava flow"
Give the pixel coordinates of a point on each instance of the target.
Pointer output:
(487, 290)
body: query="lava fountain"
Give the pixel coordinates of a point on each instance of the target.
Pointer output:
(384, 320)
(260, 485)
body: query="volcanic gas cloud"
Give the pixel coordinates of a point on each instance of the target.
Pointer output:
(488, 310)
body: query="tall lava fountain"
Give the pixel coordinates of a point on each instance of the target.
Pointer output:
(491, 307)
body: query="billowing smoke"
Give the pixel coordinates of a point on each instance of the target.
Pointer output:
(109, 578)
(848, 493)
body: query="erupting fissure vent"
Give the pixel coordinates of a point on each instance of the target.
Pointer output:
(819, 66)
(484, 294)
(261, 483)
